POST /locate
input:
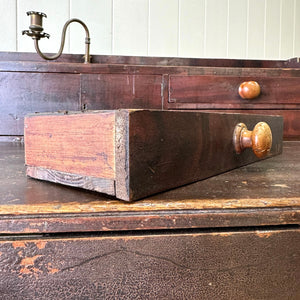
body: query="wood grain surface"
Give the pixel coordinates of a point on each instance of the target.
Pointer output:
(23, 93)
(250, 264)
(225, 90)
(263, 193)
(159, 150)
(115, 91)
(169, 149)
(80, 144)
(112, 82)
(147, 60)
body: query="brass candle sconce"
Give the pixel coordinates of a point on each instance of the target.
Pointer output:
(36, 32)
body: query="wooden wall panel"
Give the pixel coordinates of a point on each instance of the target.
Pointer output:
(256, 29)
(237, 34)
(98, 17)
(296, 28)
(163, 28)
(216, 14)
(8, 25)
(191, 28)
(130, 30)
(272, 28)
(287, 29)
(36, 92)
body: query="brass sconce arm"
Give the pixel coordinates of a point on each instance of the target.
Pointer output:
(36, 34)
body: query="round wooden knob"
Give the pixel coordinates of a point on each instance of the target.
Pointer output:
(260, 139)
(249, 90)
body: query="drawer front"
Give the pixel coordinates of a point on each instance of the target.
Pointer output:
(115, 91)
(23, 93)
(223, 92)
(231, 265)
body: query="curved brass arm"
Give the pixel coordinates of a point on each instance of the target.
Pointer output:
(36, 33)
(63, 36)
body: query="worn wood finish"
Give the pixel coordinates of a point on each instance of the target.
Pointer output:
(163, 149)
(22, 93)
(291, 119)
(259, 194)
(181, 70)
(146, 60)
(169, 149)
(225, 91)
(111, 91)
(114, 82)
(260, 264)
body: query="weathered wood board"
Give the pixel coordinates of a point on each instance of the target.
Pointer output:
(131, 154)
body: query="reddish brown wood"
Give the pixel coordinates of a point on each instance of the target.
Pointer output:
(224, 91)
(80, 144)
(32, 84)
(112, 91)
(164, 61)
(291, 124)
(174, 148)
(157, 150)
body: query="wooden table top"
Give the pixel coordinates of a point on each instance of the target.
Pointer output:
(263, 193)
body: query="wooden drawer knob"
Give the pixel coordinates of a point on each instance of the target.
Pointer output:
(260, 139)
(249, 90)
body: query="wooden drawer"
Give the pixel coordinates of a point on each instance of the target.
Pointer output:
(131, 154)
(261, 264)
(222, 92)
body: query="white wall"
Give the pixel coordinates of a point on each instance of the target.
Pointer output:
(254, 29)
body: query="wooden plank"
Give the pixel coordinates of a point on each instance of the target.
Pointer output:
(223, 91)
(102, 185)
(263, 193)
(170, 149)
(151, 220)
(13, 57)
(115, 91)
(187, 265)
(23, 93)
(80, 144)
(236, 68)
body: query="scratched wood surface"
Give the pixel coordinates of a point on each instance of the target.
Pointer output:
(30, 84)
(223, 91)
(162, 149)
(263, 193)
(249, 264)
(290, 117)
(169, 149)
(111, 91)
(146, 60)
